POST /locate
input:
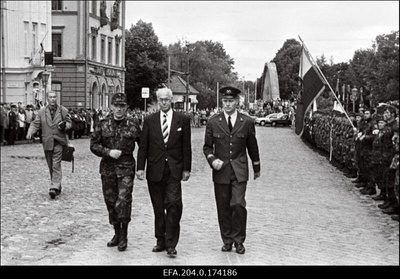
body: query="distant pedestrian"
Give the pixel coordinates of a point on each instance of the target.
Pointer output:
(114, 140)
(165, 145)
(228, 137)
(54, 121)
(12, 124)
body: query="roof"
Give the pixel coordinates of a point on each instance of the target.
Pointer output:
(178, 86)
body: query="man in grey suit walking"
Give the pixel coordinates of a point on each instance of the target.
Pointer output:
(228, 135)
(54, 120)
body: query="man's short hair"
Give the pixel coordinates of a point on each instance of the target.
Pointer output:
(164, 90)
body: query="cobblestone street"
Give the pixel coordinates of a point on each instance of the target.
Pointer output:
(302, 211)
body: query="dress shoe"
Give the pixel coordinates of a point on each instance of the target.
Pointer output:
(158, 248)
(360, 185)
(391, 210)
(385, 205)
(357, 180)
(240, 248)
(171, 251)
(227, 247)
(368, 191)
(52, 193)
(379, 197)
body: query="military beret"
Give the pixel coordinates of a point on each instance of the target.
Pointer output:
(118, 99)
(229, 92)
(13, 106)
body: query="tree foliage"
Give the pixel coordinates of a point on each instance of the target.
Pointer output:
(287, 61)
(145, 60)
(208, 64)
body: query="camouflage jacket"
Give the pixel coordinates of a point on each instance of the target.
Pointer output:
(109, 135)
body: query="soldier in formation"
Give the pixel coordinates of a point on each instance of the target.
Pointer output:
(366, 149)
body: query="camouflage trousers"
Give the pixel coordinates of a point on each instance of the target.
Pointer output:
(117, 192)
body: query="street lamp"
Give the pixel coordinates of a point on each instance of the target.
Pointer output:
(45, 79)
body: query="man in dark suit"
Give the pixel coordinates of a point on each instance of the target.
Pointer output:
(228, 135)
(165, 144)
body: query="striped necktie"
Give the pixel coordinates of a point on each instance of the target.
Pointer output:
(165, 129)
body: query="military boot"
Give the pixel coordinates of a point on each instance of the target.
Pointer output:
(123, 240)
(115, 240)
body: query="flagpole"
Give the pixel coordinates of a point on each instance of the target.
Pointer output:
(322, 74)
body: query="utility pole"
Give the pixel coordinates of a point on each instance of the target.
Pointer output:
(187, 77)
(3, 49)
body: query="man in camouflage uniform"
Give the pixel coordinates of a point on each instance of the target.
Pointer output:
(114, 140)
(391, 205)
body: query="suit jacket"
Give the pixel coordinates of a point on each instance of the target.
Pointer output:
(153, 150)
(230, 147)
(50, 131)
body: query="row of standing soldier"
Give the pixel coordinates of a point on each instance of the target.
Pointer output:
(366, 149)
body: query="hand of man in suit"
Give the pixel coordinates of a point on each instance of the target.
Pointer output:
(28, 136)
(185, 175)
(217, 164)
(115, 153)
(140, 174)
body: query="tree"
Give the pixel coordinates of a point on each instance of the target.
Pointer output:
(145, 60)
(287, 61)
(208, 64)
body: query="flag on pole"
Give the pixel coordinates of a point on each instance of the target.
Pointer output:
(314, 107)
(313, 85)
(337, 89)
(338, 107)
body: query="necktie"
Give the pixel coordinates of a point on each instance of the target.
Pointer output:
(165, 129)
(229, 124)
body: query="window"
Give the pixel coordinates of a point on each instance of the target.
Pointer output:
(116, 53)
(103, 49)
(57, 44)
(56, 87)
(94, 48)
(34, 37)
(43, 32)
(94, 7)
(26, 38)
(110, 53)
(56, 5)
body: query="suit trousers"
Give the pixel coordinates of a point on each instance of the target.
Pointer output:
(53, 159)
(166, 197)
(231, 209)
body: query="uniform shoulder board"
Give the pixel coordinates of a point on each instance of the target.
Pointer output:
(215, 115)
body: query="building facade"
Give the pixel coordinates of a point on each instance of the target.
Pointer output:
(88, 43)
(26, 36)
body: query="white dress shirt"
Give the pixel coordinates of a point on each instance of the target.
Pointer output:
(233, 118)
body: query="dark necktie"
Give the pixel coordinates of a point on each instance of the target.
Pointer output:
(229, 124)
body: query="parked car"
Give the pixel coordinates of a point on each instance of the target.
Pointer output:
(274, 119)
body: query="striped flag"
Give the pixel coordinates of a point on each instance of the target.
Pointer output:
(313, 85)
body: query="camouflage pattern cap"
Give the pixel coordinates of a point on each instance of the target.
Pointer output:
(118, 99)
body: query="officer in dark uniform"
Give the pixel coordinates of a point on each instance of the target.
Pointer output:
(366, 138)
(114, 140)
(227, 137)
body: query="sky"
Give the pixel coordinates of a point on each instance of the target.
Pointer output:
(252, 32)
